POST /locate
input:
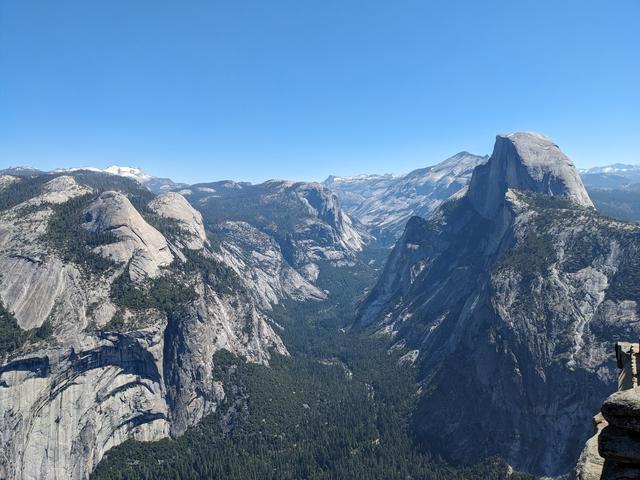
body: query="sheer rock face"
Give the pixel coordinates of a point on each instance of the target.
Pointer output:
(525, 161)
(68, 397)
(324, 205)
(33, 282)
(513, 302)
(257, 256)
(63, 408)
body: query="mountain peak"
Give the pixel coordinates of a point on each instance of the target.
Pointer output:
(525, 161)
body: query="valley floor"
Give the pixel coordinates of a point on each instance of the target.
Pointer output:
(338, 407)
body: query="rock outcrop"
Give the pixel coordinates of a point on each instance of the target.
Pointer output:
(529, 162)
(6, 180)
(613, 453)
(139, 244)
(174, 206)
(257, 256)
(590, 463)
(511, 294)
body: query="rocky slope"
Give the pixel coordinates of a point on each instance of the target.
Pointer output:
(507, 301)
(384, 203)
(302, 223)
(112, 304)
(622, 203)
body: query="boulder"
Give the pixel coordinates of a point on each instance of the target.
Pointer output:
(622, 409)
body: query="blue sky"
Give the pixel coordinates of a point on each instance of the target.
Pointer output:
(300, 89)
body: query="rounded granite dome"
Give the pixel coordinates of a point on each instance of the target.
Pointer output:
(525, 161)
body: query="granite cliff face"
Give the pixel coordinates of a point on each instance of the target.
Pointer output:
(113, 302)
(508, 300)
(300, 222)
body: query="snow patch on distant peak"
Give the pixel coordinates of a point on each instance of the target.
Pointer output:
(131, 172)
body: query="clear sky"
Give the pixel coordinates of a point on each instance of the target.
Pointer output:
(203, 90)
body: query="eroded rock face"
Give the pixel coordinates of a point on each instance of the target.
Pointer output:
(305, 220)
(105, 371)
(258, 257)
(590, 463)
(34, 282)
(205, 327)
(62, 409)
(622, 409)
(513, 300)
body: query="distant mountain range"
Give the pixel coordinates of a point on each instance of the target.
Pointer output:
(155, 184)
(384, 202)
(613, 176)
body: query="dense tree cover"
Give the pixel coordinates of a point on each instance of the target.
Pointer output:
(27, 187)
(138, 195)
(338, 407)
(301, 418)
(21, 190)
(72, 241)
(258, 205)
(532, 257)
(165, 292)
(11, 335)
(623, 204)
(625, 284)
(219, 276)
